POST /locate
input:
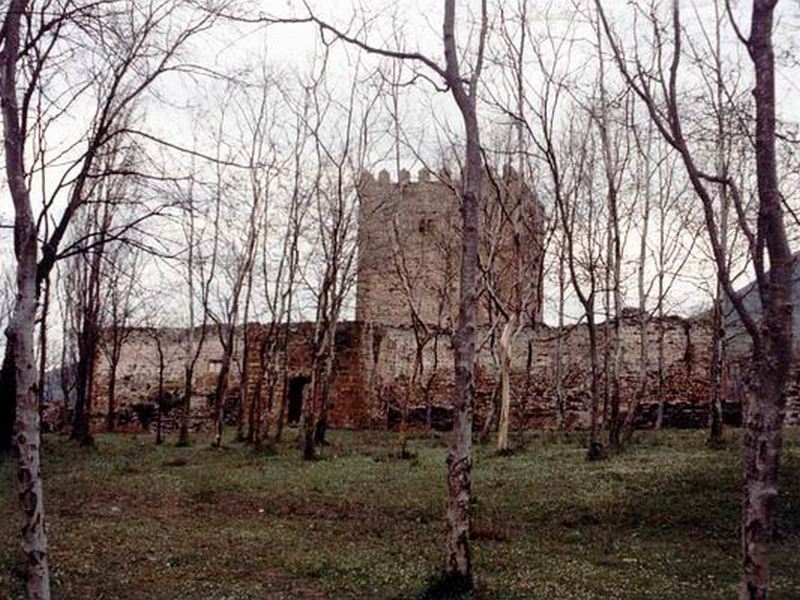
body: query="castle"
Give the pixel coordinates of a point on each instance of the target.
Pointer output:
(407, 285)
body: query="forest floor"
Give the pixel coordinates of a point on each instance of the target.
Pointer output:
(128, 520)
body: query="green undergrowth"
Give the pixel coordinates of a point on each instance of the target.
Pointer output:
(129, 520)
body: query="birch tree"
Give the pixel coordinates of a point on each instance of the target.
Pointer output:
(771, 255)
(464, 90)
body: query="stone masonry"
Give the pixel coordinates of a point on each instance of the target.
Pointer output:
(408, 249)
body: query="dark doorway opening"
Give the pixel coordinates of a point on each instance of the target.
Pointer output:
(295, 398)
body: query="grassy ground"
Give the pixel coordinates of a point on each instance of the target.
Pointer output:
(132, 520)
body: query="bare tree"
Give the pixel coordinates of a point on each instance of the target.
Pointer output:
(129, 55)
(20, 330)
(239, 266)
(583, 253)
(464, 89)
(771, 340)
(336, 194)
(119, 307)
(200, 272)
(512, 268)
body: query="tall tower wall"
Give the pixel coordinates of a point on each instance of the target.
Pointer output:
(410, 249)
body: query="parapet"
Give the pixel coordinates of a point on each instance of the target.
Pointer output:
(425, 175)
(384, 178)
(377, 187)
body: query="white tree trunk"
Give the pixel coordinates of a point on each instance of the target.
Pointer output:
(505, 384)
(21, 329)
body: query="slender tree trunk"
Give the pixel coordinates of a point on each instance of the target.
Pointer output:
(309, 425)
(280, 416)
(221, 390)
(607, 341)
(641, 392)
(644, 317)
(189, 359)
(111, 417)
(87, 349)
(21, 329)
(43, 344)
(403, 429)
(241, 412)
(505, 384)
(254, 427)
(459, 458)
(559, 375)
(321, 427)
(281, 412)
(27, 428)
(718, 341)
(488, 424)
(715, 404)
(661, 359)
(186, 405)
(764, 421)
(161, 366)
(272, 384)
(616, 358)
(596, 451)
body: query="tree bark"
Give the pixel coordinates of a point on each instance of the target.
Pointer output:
(458, 565)
(111, 417)
(715, 403)
(559, 371)
(764, 421)
(644, 317)
(81, 423)
(596, 450)
(221, 389)
(43, 345)
(186, 405)
(21, 329)
(161, 367)
(505, 385)
(661, 359)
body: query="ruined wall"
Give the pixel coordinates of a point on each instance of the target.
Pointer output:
(373, 363)
(137, 378)
(686, 368)
(348, 408)
(409, 247)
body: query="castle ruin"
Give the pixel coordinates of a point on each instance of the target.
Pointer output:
(407, 277)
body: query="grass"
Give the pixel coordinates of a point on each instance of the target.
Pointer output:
(131, 520)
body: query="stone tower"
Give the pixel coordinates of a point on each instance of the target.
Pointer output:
(409, 249)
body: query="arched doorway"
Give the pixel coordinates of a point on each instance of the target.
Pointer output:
(295, 398)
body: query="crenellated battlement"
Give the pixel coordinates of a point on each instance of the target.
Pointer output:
(409, 228)
(426, 176)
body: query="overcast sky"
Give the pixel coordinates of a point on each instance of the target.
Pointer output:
(415, 25)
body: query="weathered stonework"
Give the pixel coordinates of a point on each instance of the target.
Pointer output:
(533, 370)
(373, 363)
(414, 227)
(416, 222)
(137, 378)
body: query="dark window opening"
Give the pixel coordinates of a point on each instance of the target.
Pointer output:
(295, 398)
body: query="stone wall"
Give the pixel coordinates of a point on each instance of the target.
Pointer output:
(409, 247)
(533, 378)
(293, 373)
(136, 388)
(373, 363)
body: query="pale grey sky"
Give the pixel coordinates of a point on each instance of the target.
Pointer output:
(289, 50)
